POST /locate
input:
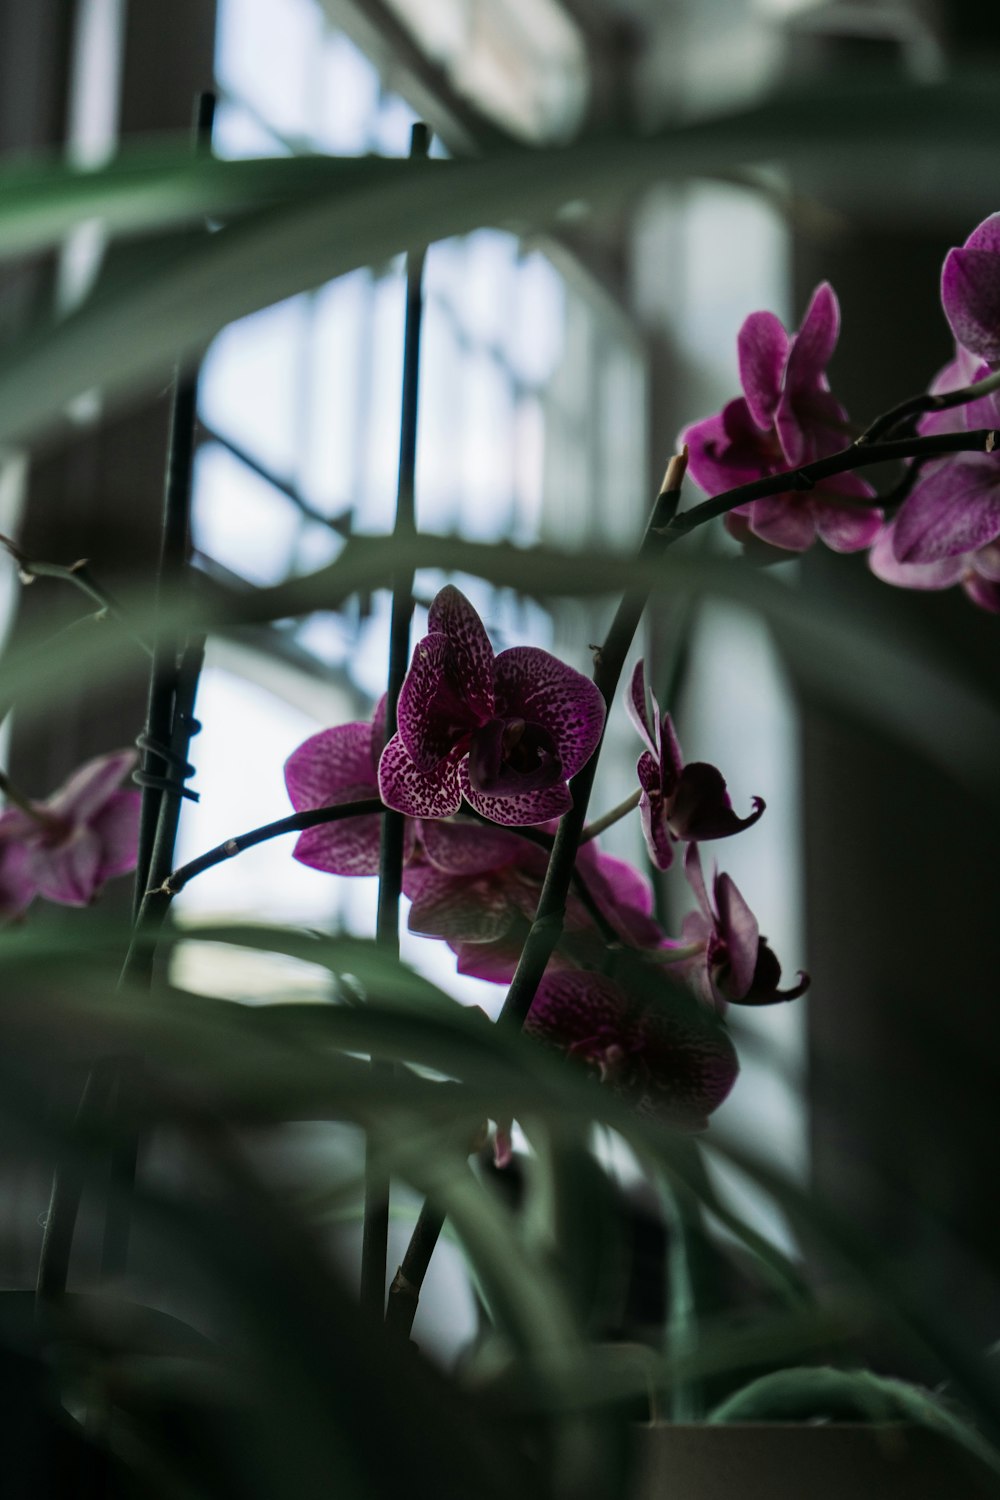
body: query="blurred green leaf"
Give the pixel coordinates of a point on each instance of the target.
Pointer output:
(337, 216)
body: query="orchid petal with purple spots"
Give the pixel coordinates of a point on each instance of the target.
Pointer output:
(970, 290)
(677, 801)
(506, 732)
(670, 1062)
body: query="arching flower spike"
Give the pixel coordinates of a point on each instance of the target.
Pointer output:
(505, 732)
(677, 801)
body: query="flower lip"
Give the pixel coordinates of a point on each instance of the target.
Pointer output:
(513, 755)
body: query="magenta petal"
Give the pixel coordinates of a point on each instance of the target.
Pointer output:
(690, 1065)
(456, 908)
(348, 847)
(624, 896)
(728, 449)
(89, 788)
(520, 809)
(934, 575)
(983, 591)
(17, 886)
(420, 794)
(578, 1010)
(785, 521)
(970, 295)
(954, 507)
(334, 765)
(465, 847)
(117, 830)
(68, 872)
(536, 686)
(635, 707)
(986, 562)
(813, 345)
(653, 819)
(740, 933)
(700, 807)
(846, 528)
(696, 880)
(494, 962)
(453, 616)
(763, 348)
(433, 713)
(985, 236)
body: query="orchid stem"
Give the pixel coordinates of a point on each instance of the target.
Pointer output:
(915, 405)
(375, 1234)
(608, 819)
(547, 927)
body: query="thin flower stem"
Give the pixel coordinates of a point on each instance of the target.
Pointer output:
(857, 456)
(916, 405)
(608, 819)
(404, 1293)
(294, 823)
(610, 660)
(375, 1233)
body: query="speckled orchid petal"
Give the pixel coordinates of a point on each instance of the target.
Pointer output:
(738, 930)
(116, 825)
(954, 507)
(690, 1066)
(532, 684)
(433, 715)
(420, 794)
(334, 765)
(519, 809)
(653, 812)
(638, 712)
(672, 1063)
(494, 962)
(965, 369)
(700, 807)
(579, 1011)
(461, 846)
(348, 847)
(453, 616)
(970, 291)
(475, 909)
(762, 347)
(92, 786)
(885, 564)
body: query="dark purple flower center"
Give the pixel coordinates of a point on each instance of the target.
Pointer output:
(507, 756)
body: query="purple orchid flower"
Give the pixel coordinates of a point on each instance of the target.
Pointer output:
(341, 765)
(478, 889)
(677, 801)
(978, 571)
(506, 732)
(786, 417)
(68, 846)
(954, 506)
(735, 963)
(670, 1063)
(970, 291)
